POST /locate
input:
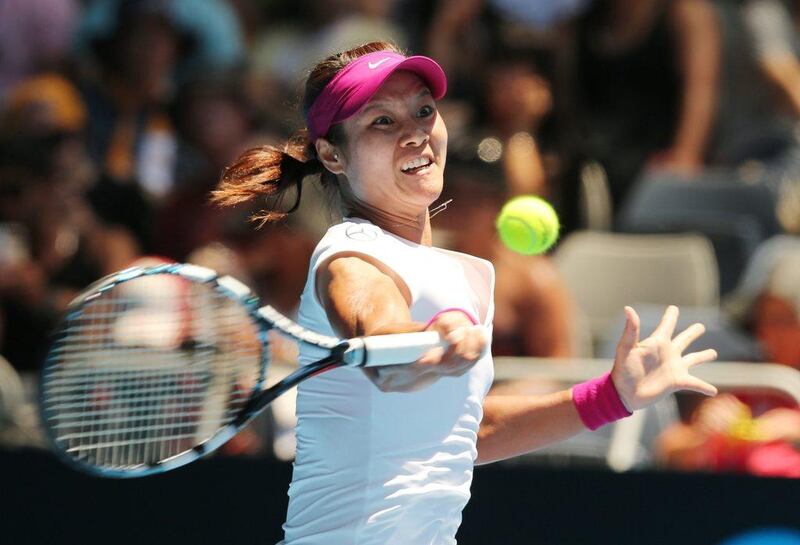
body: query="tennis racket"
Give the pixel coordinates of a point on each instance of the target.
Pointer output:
(155, 367)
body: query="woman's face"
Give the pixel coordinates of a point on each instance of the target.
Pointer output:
(395, 148)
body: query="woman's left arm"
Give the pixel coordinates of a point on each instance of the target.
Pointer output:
(643, 373)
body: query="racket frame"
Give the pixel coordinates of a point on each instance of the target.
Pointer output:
(225, 285)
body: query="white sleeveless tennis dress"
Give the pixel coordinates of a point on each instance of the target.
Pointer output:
(378, 468)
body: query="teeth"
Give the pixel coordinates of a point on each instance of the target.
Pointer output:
(418, 162)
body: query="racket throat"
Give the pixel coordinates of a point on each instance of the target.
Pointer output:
(265, 397)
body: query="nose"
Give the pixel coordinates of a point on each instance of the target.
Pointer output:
(415, 135)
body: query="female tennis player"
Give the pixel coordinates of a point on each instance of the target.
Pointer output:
(386, 456)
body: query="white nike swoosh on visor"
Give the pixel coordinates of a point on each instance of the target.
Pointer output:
(374, 65)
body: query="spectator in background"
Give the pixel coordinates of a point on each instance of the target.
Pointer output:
(58, 248)
(767, 301)
(214, 120)
(518, 99)
(48, 107)
(512, 57)
(774, 37)
(141, 48)
(464, 32)
(515, 96)
(358, 21)
(60, 244)
(289, 47)
(129, 133)
(760, 101)
(646, 86)
(213, 25)
(776, 316)
(215, 123)
(758, 105)
(34, 36)
(775, 42)
(725, 436)
(516, 127)
(26, 311)
(45, 114)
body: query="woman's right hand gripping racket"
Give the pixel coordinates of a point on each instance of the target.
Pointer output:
(152, 368)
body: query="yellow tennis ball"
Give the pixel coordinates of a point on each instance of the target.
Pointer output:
(528, 225)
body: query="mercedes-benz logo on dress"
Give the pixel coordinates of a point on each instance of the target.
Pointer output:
(361, 232)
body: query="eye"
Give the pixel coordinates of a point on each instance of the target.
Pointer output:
(426, 111)
(382, 120)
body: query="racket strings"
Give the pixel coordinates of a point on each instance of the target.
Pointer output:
(148, 369)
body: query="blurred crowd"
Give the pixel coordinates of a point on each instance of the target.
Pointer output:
(118, 116)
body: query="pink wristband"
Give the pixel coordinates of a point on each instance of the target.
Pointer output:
(598, 402)
(454, 309)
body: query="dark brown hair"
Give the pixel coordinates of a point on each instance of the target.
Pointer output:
(270, 171)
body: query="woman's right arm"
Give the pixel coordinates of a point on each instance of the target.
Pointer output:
(362, 298)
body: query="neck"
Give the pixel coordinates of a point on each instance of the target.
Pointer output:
(413, 228)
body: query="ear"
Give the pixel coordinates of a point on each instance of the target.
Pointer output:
(329, 156)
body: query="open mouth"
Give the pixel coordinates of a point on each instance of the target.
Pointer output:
(416, 165)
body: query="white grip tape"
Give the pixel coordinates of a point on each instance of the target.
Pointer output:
(399, 347)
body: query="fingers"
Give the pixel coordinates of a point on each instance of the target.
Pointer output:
(696, 358)
(688, 336)
(668, 322)
(470, 342)
(466, 345)
(694, 384)
(630, 335)
(432, 356)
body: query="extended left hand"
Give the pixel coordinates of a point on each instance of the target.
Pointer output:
(645, 372)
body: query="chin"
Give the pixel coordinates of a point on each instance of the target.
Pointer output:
(429, 187)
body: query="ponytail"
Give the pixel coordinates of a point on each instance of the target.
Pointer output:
(268, 171)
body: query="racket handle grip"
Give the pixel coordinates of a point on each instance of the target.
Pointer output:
(392, 349)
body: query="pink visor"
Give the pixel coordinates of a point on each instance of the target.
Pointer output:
(357, 82)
